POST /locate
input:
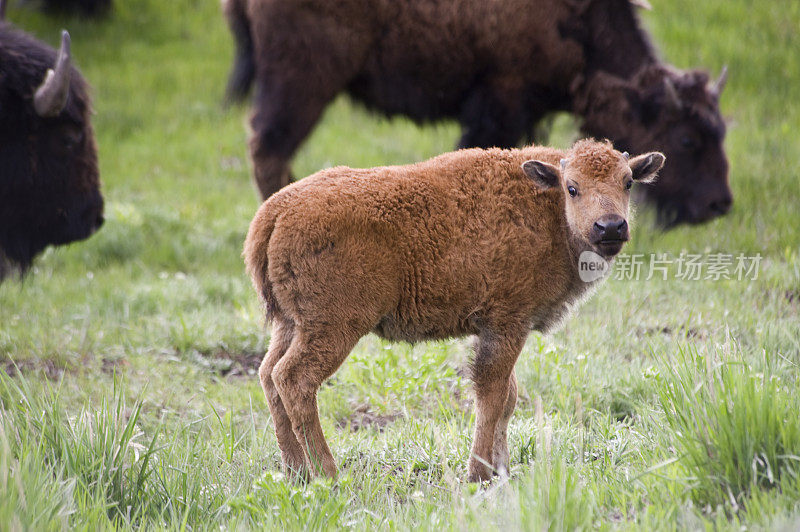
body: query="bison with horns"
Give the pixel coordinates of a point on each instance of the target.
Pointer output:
(496, 67)
(49, 179)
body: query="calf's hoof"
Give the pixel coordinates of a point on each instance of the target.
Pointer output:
(500, 460)
(299, 473)
(323, 468)
(479, 471)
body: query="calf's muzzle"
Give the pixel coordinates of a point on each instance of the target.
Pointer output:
(609, 233)
(611, 227)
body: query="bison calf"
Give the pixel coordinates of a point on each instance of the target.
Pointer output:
(475, 242)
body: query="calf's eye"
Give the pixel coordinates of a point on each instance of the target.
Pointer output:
(572, 191)
(628, 185)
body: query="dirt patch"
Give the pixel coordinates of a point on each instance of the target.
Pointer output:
(691, 332)
(792, 296)
(666, 330)
(48, 368)
(363, 417)
(110, 366)
(235, 365)
(53, 370)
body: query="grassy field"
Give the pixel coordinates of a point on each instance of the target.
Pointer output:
(128, 388)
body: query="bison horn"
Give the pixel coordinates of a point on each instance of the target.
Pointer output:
(2, 9)
(51, 96)
(626, 155)
(719, 85)
(673, 100)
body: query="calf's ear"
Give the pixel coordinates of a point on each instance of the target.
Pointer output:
(544, 175)
(645, 167)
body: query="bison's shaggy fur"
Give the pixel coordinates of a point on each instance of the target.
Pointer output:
(49, 179)
(496, 67)
(476, 242)
(81, 7)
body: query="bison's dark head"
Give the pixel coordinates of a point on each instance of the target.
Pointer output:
(49, 180)
(676, 113)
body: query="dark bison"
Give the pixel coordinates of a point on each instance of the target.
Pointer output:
(82, 7)
(497, 67)
(49, 181)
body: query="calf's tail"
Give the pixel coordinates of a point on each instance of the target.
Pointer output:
(244, 68)
(255, 255)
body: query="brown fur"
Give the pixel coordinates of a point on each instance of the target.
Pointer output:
(467, 243)
(498, 68)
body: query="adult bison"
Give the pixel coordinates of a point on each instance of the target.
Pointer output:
(49, 181)
(497, 67)
(89, 8)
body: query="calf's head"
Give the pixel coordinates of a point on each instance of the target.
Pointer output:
(596, 182)
(49, 178)
(677, 113)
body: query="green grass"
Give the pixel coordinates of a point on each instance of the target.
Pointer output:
(128, 397)
(736, 426)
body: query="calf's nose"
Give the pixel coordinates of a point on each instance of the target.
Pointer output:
(611, 227)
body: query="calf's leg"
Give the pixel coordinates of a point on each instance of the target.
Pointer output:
(495, 357)
(500, 456)
(311, 358)
(291, 453)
